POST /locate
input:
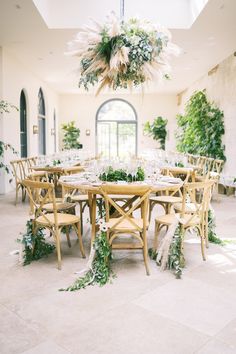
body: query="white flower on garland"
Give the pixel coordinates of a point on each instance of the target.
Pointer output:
(122, 54)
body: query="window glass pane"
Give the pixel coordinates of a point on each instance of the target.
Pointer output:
(127, 140)
(116, 110)
(116, 129)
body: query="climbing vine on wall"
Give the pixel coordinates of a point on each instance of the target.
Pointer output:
(201, 128)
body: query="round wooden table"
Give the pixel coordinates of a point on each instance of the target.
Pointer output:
(93, 189)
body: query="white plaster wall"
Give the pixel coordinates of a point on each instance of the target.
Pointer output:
(16, 77)
(83, 109)
(221, 88)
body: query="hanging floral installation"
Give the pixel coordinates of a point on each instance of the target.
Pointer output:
(118, 54)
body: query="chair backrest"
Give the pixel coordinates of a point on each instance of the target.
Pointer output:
(178, 172)
(40, 193)
(140, 193)
(217, 166)
(198, 196)
(18, 167)
(30, 162)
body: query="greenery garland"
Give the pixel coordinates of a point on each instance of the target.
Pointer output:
(100, 272)
(212, 237)
(121, 175)
(35, 246)
(176, 261)
(201, 128)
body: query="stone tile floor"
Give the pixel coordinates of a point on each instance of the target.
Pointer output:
(136, 314)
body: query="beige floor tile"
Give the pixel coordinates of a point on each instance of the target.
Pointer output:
(228, 334)
(47, 347)
(215, 346)
(193, 303)
(131, 329)
(15, 334)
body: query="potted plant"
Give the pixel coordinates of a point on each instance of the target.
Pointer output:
(5, 107)
(157, 130)
(71, 136)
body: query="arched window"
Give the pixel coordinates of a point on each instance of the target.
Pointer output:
(23, 125)
(41, 123)
(116, 129)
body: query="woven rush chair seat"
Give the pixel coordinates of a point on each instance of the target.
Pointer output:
(124, 225)
(168, 219)
(62, 219)
(166, 199)
(60, 206)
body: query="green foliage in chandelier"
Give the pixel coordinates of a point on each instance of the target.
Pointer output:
(100, 272)
(201, 128)
(157, 130)
(71, 136)
(35, 246)
(5, 107)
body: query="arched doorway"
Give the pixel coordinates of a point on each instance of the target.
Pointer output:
(41, 123)
(23, 125)
(116, 129)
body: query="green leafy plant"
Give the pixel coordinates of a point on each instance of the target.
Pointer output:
(5, 107)
(35, 246)
(100, 272)
(201, 128)
(157, 130)
(71, 136)
(121, 175)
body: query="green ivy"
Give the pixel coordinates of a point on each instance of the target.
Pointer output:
(35, 246)
(121, 175)
(100, 272)
(201, 128)
(157, 130)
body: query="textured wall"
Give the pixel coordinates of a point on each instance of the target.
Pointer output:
(221, 88)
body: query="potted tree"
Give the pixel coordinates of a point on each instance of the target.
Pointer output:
(71, 136)
(157, 130)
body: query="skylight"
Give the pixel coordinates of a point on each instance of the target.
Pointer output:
(173, 14)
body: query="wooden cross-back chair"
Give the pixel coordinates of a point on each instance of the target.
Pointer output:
(192, 213)
(126, 224)
(173, 194)
(19, 175)
(53, 221)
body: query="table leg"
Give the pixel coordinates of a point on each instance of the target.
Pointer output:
(92, 202)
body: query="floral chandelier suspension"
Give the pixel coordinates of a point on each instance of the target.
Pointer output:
(120, 54)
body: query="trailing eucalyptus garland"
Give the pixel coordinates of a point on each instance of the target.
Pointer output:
(99, 272)
(212, 237)
(35, 246)
(175, 260)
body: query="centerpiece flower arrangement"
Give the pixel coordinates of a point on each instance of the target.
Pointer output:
(122, 54)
